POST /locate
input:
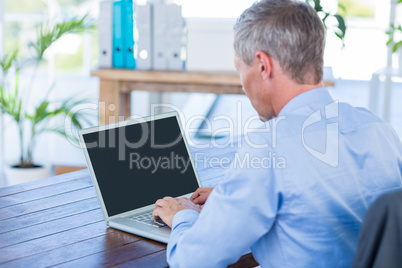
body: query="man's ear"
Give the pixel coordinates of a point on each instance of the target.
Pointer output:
(265, 64)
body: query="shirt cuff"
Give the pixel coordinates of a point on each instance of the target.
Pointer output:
(188, 216)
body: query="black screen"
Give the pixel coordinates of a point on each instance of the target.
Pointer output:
(137, 164)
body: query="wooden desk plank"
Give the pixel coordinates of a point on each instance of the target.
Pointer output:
(111, 239)
(147, 261)
(115, 256)
(49, 228)
(45, 203)
(53, 242)
(245, 261)
(44, 192)
(159, 257)
(19, 188)
(47, 215)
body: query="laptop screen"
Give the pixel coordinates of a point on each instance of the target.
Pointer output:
(137, 164)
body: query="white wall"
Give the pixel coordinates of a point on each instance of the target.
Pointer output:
(210, 44)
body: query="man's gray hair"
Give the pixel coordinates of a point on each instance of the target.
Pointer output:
(289, 31)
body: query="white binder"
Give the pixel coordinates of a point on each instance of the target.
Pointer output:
(160, 36)
(143, 22)
(105, 32)
(174, 40)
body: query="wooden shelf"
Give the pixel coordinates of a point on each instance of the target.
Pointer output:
(117, 84)
(198, 78)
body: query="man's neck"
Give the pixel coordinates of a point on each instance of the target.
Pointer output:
(286, 90)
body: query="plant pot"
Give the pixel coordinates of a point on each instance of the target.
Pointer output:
(16, 175)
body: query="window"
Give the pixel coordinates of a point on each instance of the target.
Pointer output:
(71, 54)
(365, 50)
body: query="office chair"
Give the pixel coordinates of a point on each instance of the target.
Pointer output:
(380, 238)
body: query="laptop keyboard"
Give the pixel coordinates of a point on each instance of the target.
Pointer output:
(147, 218)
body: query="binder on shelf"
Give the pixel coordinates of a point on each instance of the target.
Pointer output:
(118, 58)
(159, 36)
(105, 34)
(174, 40)
(128, 40)
(144, 24)
(123, 36)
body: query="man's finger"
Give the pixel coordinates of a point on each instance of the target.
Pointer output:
(160, 202)
(196, 194)
(156, 213)
(200, 200)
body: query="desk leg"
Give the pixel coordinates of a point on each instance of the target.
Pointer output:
(109, 102)
(125, 104)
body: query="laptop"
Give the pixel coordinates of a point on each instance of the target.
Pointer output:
(133, 164)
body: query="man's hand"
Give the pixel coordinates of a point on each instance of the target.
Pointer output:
(200, 196)
(167, 207)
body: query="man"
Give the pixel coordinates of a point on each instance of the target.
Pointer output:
(338, 159)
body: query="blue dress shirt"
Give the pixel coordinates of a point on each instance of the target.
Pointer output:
(297, 192)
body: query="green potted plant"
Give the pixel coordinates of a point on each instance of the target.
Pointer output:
(46, 116)
(339, 28)
(333, 22)
(395, 41)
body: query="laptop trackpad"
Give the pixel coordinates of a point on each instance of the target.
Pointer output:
(165, 230)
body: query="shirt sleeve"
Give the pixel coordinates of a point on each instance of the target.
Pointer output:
(237, 214)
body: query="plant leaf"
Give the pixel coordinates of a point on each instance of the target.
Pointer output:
(40, 112)
(47, 35)
(342, 7)
(398, 45)
(18, 115)
(341, 25)
(30, 117)
(1, 94)
(395, 47)
(16, 89)
(317, 5)
(7, 61)
(8, 101)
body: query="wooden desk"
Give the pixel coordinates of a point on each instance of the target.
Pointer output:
(58, 221)
(117, 84)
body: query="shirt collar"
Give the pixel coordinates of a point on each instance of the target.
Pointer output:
(312, 98)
